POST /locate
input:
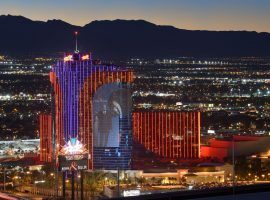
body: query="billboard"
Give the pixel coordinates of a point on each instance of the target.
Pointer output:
(111, 103)
(73, 163)
(73, 156)
(112, 136)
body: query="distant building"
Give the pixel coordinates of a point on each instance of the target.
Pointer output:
(167, 134)
(242, 145)
(46, 138)
(19, 148)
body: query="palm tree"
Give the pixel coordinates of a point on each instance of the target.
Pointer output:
(140, 180)
(153, 180)
(94, 182)
(27, 179)
(112, 178)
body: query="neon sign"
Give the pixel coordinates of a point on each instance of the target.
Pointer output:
(73, 156)
(72, 147)
(76, 57)
(68, 58)
(86, 57)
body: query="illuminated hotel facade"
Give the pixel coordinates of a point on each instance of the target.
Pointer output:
(168, 134)
(46, 138)
(92, 105)
(75, 81)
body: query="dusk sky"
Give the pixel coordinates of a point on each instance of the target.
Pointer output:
(251, 15)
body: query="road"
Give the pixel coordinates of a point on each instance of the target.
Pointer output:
(19, 196)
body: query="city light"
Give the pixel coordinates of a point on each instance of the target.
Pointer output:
(41, 181)
(173, 124)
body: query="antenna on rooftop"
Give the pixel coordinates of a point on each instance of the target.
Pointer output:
(76, 40)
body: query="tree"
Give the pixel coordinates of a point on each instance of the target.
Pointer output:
(140, 180)
(94, 182)
(153, 180)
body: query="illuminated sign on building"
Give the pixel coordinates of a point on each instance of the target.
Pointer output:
(112, 123)
(73, 156)
(77, 57)
(74, 163)
(85, 57)
(130, 193)
(68, 58)
(73, 147)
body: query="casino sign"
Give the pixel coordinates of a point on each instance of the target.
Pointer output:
(73, 156)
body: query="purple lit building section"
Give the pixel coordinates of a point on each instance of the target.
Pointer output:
(71, 75)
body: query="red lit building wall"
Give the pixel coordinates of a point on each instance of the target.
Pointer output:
(243, 146)
(214, 152)
(45, 132)
(174, 135)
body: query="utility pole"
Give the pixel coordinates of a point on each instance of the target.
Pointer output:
(233, 161)
(72, 185)
(82, 185)
(77, 185)
(118, 182)
(56, 179)
(64, 185)
(4, 179)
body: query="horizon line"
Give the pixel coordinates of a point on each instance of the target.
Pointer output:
(99, 20)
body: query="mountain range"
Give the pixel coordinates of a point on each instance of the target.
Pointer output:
(126, 39)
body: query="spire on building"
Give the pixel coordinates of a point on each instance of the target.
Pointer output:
(76, 41)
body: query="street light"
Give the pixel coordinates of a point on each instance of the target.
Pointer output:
(233, 162)
(4, 179)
